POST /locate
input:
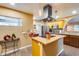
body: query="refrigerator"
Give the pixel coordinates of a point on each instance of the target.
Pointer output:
(41, 29)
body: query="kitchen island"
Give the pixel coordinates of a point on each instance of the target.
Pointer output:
(47, 47)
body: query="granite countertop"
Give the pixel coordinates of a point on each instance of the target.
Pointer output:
(47, 41)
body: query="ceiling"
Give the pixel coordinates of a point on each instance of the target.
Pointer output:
(64, 9)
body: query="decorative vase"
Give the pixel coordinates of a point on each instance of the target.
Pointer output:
(7, 38)
(13, 36)
(48, 36)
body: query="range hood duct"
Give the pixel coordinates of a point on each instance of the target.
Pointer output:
(47, 12)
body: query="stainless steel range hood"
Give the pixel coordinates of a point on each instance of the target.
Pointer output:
(47, 11)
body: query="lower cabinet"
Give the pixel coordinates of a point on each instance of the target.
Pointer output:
(72, 40)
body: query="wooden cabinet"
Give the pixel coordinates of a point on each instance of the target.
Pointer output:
(72, 40)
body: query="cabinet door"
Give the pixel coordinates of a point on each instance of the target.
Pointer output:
(35, 48)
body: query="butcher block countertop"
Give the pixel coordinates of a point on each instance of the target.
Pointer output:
(47, 41)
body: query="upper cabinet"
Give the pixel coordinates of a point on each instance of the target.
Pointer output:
(56, 24)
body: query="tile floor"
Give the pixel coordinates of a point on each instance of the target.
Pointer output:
(71, 51)
(23, 52)
(68, 51)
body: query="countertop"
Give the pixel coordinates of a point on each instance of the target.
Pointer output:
(70, 33)
(47, 41)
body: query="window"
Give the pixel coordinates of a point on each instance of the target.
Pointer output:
(10, 21)
(76, 27)
(73, 28)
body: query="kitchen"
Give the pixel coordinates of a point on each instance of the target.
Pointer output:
(43, 29)
(49, 27)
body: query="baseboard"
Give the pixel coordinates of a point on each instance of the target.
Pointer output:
(60, 52)
(16, 50)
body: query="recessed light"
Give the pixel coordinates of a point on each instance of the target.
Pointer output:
(12, 4)
(74, 12)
